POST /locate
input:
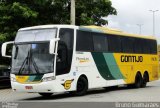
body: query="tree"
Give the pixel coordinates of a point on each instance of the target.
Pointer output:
(90, 12)
(15, 14)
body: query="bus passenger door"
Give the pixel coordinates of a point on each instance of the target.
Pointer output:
(65, 51)
(62, 63)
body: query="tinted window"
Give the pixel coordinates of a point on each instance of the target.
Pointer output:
(146, 46)
(87, 41)
(84, 41)
(66, 36)
(65, 51)
(100, 42)
(138, 46)
(127, 44)
(153, 44)
(114, 43)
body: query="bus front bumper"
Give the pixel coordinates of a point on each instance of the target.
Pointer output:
(43, 87)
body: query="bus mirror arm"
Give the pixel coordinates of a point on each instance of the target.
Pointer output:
(52, 45)
(4, 49)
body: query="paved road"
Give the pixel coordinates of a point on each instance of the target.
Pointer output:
(149, 94)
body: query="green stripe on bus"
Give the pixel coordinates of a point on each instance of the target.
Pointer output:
(102, 66)
(31, 78)
(38, 77)
(34, 78)
(112, 65)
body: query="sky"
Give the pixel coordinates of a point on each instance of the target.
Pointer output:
(133, 12)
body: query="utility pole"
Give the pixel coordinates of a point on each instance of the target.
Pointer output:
(73, 13)
(153, 11)
(140, 28)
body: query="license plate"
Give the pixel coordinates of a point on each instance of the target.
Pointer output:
(28, 87)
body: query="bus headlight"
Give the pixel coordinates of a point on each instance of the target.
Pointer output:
(13, 79)
(48, 79)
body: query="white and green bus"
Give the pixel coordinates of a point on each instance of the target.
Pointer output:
(64, 58)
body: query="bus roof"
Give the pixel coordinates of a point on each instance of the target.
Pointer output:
(114, 32)
(46, 26)
(91, 28)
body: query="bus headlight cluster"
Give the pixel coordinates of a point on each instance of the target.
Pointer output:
(48, 79)
(13, 79)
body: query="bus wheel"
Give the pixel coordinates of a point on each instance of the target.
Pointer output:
(46, 94)
(138, 81)
(111, 88)
(145, 79)
(82, 86)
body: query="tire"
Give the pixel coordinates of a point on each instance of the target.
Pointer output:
(111, 88)
(130, 86)
(82, 86)
(145, 80)
(46, 94)
(138, 81)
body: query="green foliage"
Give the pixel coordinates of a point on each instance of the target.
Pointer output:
(22, 11)
(90, 12)
(15, 14)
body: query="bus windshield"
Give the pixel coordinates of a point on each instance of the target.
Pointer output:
(30, 53)
(32, 58)
(36, 35)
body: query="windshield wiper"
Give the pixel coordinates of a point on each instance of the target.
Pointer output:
(23, 63)
(35, 66)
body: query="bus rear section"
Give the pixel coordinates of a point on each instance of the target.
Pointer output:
(115, 58)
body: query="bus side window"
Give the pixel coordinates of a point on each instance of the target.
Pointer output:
(127, 45)
(100, 42)
(146, 46)
(153, 46)
(84, 41)
(138, 46)
(114, 43)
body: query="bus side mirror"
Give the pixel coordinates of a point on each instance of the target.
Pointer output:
(52, 45)
(4, 49)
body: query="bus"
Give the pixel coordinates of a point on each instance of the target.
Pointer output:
(50, 59)
(4, 71)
